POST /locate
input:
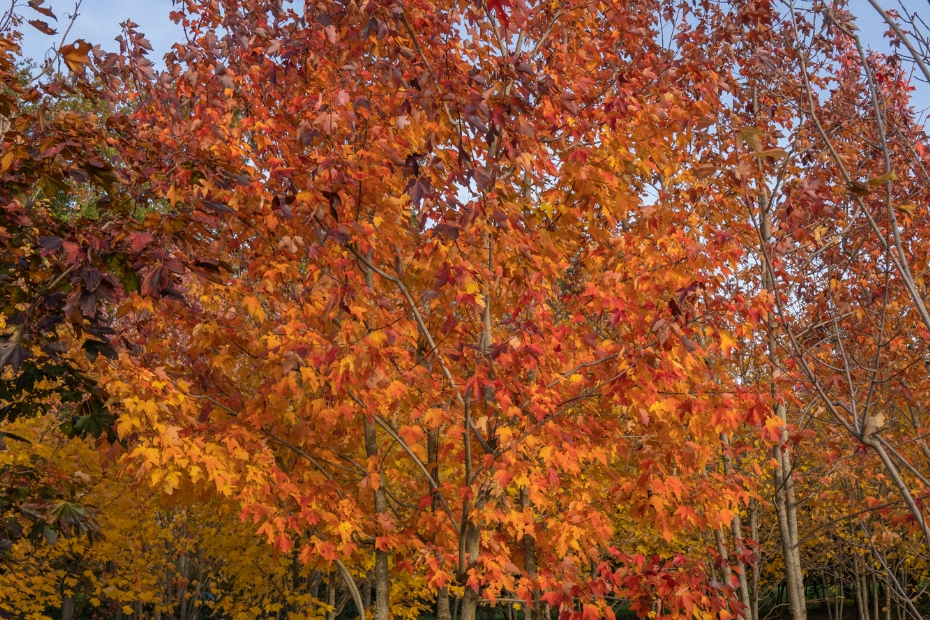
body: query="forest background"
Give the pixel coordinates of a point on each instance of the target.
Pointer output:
(463, 310)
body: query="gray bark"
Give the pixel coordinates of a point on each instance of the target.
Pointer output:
(382, 575)
(538, 610)
(443, 612)
(785, 508)
(67, 607)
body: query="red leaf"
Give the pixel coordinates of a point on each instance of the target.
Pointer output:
(151, 281)
(72, 251)
(42, 27)
(36, 5)
(137, 241)
(498, 7)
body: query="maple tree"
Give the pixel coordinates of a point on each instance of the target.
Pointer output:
(429, 307)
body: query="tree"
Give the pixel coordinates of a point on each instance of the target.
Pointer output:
(460, 305)
(434, 240)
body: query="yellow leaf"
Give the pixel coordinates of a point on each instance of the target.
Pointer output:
(727, 344)
(888, 176)
(774, 153)
(75, 55)
(254, 307)
(172, 195)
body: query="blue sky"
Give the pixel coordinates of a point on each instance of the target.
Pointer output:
(98, 22)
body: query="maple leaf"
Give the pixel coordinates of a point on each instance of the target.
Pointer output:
(12, 353)
(500, 8)
(42, 26)
(36, 5)
(76, 55)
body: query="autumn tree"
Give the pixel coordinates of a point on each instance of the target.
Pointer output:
(559, 305)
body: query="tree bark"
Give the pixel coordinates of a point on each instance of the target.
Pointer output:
(862, 598)
(443, 612)
(826, 598)
(538, 609)
(382, 575)
(785, 507)
(182, 586)
(737, 531)
(471, 597)
(67, 607)
(724, 556)
(331, 595)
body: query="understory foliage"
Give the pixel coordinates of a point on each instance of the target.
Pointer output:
(406, 308)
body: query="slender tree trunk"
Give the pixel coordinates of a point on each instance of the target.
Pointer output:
(842, 597)
(382, 575)
(785, 507)
(67, 607)
(826, 598)
(787, 527)
(366, 592)
(472, 548)
(888, 598)
(331, 595)
(182, 586)
(537, 611)
(432, 453)
(754, 532)
(443, 612)
(196, 603)
(862, 598)
(724, 557)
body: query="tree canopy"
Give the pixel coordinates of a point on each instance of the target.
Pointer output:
(453, 309)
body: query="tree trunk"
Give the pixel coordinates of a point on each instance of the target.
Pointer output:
(862, 598)
(842, 597)
(366, 592)
(382, 576)
(724, 557)
(537, 611)
(432, 456)
(331, 595)
(787, 528)
(67, 607)
(754, 532)
(443, 612)
(737, 530)
(472, 548)
(826, 598)
(888, 598)
(784, 487)
(182, 586)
